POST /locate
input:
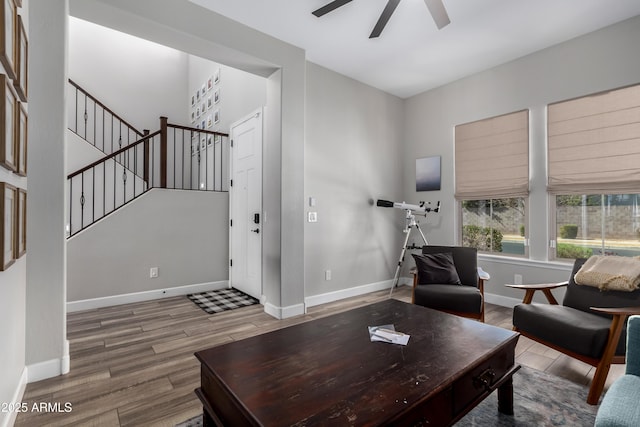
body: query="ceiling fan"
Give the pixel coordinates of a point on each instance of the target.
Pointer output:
(436, 8)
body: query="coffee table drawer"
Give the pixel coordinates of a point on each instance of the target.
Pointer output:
(481, 380)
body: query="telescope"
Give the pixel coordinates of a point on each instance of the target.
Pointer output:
(410, 224)
(420, 209)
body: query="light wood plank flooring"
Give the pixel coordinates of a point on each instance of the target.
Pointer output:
(133, 365)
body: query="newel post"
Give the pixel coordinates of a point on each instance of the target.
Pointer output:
(145, 156)
(163, 152)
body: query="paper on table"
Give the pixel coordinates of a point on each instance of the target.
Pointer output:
(388, 334)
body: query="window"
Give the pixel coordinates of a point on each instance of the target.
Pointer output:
(492, 182)
(597, 224)
(594, 173)
(494, 225)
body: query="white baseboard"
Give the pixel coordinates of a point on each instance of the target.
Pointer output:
(283, 312)
(352, 292)
(47, 369)
(501, 300)
(8, 419)
(92, 303)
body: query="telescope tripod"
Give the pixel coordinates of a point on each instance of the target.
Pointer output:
(410, 223)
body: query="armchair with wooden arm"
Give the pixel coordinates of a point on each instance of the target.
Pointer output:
(590, 325)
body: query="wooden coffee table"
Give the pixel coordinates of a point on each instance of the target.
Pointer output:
(328, 372)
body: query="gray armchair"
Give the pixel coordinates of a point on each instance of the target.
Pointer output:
(581, 327)
(446, 279)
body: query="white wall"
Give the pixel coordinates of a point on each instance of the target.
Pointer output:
(13, 284)
(183, 233)
(353, 156)
(602, 60)
(137, 79)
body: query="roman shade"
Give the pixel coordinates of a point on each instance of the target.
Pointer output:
(492, 157)
(594, 143)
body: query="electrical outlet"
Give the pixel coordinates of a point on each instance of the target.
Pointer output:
(327, 275)
(517, 279)
(153, 272)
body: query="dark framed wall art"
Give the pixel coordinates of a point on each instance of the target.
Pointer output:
(8, 223)
(8, 154)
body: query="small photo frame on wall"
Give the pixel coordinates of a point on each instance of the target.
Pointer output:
(209, 102)
(21, 224)
(216, 116)
(210, 83)
(203, 89)
(216, 76)
(209, 121)
(197, 95)
(193, 117)
(8, 33)
(216, 96)
(8, 212)
(193, 100)
(21, 139)
(8, 154)
(428, 174)
(209, 140)
(22, 57)
(203, 124)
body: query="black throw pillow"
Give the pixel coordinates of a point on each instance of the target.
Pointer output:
(436, 269)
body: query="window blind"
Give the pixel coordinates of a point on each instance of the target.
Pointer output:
(594, 143)
(492, 157)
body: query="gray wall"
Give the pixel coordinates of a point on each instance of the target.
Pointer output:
(183, 233)
(46, 345)
(137, 79)
(353, 156)
(13, 283)
(598, 61)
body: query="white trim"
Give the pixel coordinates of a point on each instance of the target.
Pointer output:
(352, 292)
(65, 362)
(524, 262)
(88, 304)
(47, 369)
(9, 419)
(283, 312)
(501, 300)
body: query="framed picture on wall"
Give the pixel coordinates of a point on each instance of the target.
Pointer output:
(209, 121)
(216, 76)
(22, 57)
(209, 102)
(21, 224)
(193, 100)
(203, 89)
(216, 96)
(7, 36)
(21, 139)
(428, 174)
(8, 154)
(209, 140)
(210, 83)
(8, 211)
(216, 116)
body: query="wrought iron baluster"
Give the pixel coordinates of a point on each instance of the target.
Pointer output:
(82, 201)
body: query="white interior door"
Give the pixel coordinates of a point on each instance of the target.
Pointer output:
(245, 205)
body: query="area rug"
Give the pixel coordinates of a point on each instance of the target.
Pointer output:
(222, 300)
(539, 399)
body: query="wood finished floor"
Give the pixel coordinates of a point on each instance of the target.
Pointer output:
(133, 365)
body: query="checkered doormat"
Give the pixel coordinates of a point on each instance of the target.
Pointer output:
(222, 300)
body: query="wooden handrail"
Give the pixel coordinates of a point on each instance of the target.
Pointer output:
(171, 125)
(93, 98)
(114, 154)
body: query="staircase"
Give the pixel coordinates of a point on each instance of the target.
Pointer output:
(133, 162)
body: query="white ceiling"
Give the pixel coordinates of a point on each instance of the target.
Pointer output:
(412, 55)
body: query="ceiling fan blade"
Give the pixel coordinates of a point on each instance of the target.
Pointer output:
(438, 12)
(384, 18)
(330, 7)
